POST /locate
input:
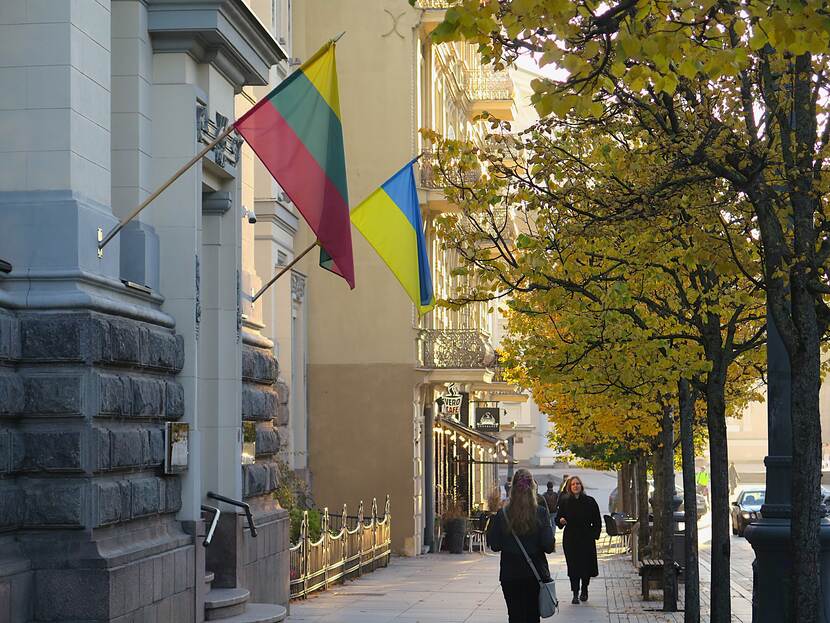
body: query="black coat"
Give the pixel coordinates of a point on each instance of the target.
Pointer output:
(537, 543)
(581, 532)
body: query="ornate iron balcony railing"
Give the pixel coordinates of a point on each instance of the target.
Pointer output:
(428, 176)
(487, 85)
(455, 348)
(434, 4)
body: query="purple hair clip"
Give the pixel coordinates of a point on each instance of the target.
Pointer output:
(524, 482)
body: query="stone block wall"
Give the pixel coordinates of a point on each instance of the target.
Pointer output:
(265, 402)
(84, 502)
(263, 567)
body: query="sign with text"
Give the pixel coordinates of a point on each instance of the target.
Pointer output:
(487, 418)
(452, 403)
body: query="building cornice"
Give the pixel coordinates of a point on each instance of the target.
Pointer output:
(224, 33)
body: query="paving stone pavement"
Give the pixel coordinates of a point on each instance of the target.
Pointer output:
(464, 588)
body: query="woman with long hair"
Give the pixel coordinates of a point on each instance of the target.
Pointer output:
(578, 514)
(524, 517)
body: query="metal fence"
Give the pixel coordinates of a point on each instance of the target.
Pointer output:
(349, 546)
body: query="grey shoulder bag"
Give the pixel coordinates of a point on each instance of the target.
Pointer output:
(548, 603)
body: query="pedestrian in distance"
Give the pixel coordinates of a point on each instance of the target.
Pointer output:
(578, 514)
(525, 518)
(551, 498)
(563, 488)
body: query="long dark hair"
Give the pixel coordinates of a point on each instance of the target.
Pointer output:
(521, 507)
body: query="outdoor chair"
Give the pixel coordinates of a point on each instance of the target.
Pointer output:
(624, 526)
(439, 534)
(611, 531)
(475, 535)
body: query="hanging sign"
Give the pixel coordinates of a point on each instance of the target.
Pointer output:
(452, 403)
(487, 418)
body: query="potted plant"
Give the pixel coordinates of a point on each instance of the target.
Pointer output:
(493, 501)
(454, 523)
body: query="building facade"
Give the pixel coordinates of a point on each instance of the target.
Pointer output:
(376, 370)
(139, 386)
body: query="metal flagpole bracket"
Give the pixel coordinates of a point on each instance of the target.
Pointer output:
(100, 240)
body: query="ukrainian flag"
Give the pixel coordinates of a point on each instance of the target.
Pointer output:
(390, 220)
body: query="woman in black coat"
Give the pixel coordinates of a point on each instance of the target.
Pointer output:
(523, 516)
(579, 515)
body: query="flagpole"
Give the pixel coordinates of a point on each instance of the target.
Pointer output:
(164, 186)
(283, 271)
(114, 231)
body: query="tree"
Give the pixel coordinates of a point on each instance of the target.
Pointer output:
(738, 88)
(684, 283)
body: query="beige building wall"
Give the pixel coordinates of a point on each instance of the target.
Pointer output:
(362, 349)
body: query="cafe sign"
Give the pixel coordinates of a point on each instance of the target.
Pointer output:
(487, 418)
(452, 403)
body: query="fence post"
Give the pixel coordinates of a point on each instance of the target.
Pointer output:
(304, 537)
(344, 546)
(387, 539)
(374, 532)
(360, 530)
(325, 544)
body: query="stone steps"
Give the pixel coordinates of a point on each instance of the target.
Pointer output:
(230, 605)
(224, 603)
(259, 613)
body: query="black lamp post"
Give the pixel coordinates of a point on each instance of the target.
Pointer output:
(770, 536)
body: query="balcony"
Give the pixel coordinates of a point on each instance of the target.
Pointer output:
(433, 14)
(428, 175)
(455, 349)
(490, 91)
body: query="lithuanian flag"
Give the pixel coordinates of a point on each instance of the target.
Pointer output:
(295, 131)
(390, 220)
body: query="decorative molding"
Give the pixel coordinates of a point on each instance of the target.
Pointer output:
(229, 149)
(238, 306)
(275, 211)
(216, 202)
(395, 20)
(224, 33)
(197, 309)
(297, 287)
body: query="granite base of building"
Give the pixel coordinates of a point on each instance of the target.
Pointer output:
(87, 515)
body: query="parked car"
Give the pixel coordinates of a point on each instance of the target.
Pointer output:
(702, 503)
(746, 509)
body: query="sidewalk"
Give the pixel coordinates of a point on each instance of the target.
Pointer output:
(454, 589)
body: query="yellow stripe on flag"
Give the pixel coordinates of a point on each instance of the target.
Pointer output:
(322, 73)
(390, 233)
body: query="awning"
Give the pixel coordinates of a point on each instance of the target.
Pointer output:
(476, 435)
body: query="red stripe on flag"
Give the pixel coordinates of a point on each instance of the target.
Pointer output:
(305, 182)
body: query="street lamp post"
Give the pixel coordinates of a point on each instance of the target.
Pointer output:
(770, 536)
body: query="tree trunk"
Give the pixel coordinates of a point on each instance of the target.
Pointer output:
(667, 523)
(625, 502)
(806, 469)
(657, 467)
(630, 508)
(619, 501)
(720, 607)
(691, 600)
(641, 484)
